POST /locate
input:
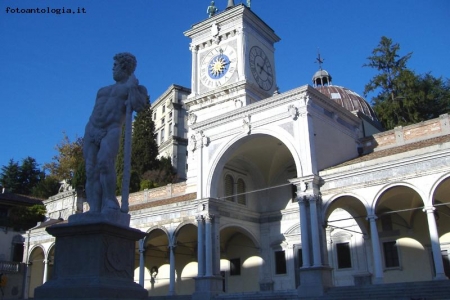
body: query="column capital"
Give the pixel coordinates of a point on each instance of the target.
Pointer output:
(209, 217)
(199, 218)
(307, 186)
(429, 209)
(193, 48)
(371, 217)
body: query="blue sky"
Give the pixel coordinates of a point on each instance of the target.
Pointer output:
(53, 65)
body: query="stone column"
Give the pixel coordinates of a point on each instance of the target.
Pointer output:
(435, 245)
(208, 245)
(317, 253)
(304, 232)
(44, 279)
(142, 262)
(377, 263)
(194, 50)
(172, 270)
(200, 246)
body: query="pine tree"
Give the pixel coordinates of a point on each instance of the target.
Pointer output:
(403, 97)
(10, 176)
(144, 149)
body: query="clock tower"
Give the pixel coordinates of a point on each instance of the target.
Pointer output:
(232, 62)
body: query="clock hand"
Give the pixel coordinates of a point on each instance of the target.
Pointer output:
(261, 68)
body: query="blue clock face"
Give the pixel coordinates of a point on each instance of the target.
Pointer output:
(218, 66)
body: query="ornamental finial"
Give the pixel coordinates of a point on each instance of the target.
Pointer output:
(230, 4)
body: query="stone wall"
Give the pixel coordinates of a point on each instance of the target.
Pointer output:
(156, 194)
(402, 135)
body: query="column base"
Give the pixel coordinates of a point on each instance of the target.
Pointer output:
(206, 288)
(440, 277)
(314, 281)
(93, 261)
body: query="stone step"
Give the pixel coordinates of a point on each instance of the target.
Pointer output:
(413, 290)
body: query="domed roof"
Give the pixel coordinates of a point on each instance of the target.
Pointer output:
(347, 99)
(321, 77)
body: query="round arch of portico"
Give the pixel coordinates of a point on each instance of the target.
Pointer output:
(358, 197)
(378, 195)
(221, 158)
(49, 249)
(35, 247)
(352, 212)
(156, 227)
(434, 186)
(181, 225)
(243, 230)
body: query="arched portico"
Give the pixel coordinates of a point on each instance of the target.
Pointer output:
(270, 148)
(240, 261)
(347, 231)
(409, 240)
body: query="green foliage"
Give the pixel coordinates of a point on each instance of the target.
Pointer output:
(68, 159)
(26, 217)
(21, 179)
(164, 174)
(144, 149)
(403, 97)
(46, 188)
(10, 176)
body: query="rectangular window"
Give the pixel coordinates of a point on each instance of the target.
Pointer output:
(235, 266)
(280, 262)
(300, 258)
(162, 121)
(391, 254)
(162, 135)
(344, 258)
(154, 117)
(170, 129)
(163, 108)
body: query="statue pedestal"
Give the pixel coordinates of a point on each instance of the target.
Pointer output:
(93, 260)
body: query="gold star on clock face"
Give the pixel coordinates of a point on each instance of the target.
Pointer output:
(217, 66)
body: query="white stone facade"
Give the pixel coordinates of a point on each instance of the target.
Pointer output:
(284, 191)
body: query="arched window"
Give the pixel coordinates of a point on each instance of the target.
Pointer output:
(241, 191)
(229, 184)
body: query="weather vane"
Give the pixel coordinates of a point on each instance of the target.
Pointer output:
(319, 60)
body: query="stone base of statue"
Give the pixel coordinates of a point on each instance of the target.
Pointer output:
(94, 259)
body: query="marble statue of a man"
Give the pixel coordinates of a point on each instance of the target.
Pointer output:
(103, 132)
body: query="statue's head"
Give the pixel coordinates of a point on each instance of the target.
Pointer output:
(127, 62)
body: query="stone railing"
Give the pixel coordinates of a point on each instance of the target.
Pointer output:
(9, 267)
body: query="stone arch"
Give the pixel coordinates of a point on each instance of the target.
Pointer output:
(243, 230)
(387, 187)
(435, 186)
(156, 227)
(221, 157)
(355, 205)
(173, 238)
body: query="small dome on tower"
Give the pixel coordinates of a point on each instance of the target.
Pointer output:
(321, 78)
